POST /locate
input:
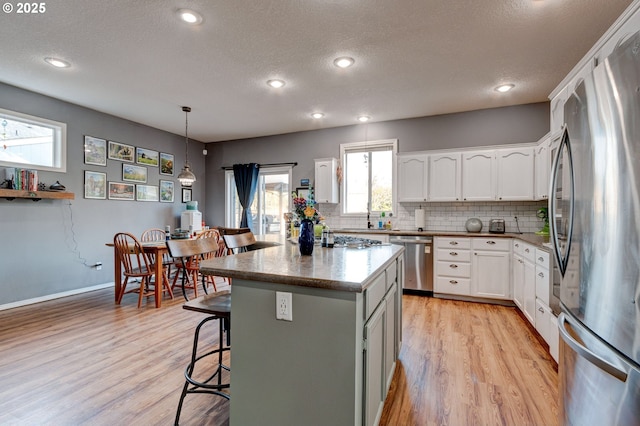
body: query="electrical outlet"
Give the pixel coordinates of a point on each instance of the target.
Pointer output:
(284, 306)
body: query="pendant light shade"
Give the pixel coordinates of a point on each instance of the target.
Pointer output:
(186, 176)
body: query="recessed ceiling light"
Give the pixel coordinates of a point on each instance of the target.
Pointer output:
(505, 88)
(317, 115)
(58, 63)
(189, 16)
(344, 62)
(276, 84)
(364, 118)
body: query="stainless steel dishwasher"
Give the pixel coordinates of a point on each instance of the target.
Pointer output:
(418, 263)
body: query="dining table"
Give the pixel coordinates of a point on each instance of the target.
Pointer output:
(155, 248)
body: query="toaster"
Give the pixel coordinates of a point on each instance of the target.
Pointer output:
(496, 226)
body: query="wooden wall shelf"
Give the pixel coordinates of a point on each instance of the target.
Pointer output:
(10, 194)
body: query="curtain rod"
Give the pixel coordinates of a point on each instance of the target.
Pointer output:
(265, 165)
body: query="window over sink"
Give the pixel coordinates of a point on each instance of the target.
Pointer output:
(368, 176)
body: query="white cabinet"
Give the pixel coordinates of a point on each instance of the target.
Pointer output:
(627, 29)
(479, 175)
(390, 354)
(515, 174)
(524, 279)
(517, 269)
(542, 168)
(547, 326)
(412, 177)
(374, 334)
(491, 268)
(445, 174)
(326, 180)
(529, 283)
(557, 110)
(452, 266)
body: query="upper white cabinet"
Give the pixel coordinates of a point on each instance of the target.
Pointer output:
(326, 184)
(542, 168)
(479, 175)
(412, 177)
(445, 174)
(515, 174)
(557, 110)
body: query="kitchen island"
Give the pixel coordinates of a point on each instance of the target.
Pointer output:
(333, 363)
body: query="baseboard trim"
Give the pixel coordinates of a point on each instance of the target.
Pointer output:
(55, 296)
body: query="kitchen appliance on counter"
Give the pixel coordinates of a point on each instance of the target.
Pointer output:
(418, 264)
(496, 226)
(595, 231)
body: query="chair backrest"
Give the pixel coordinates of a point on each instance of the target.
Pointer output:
(153, 234)
(232, 231)
(239, 242)
(131, 254)
(215, 234)
(190, 248)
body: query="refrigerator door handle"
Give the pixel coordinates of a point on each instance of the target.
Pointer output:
(584, 352)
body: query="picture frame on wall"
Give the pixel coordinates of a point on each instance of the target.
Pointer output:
(122, 191)
(167, 188)
(148, 157)
(133, 173)
(146, 193)
(186, 195)
(166, 164)
(95, 185)
(95, 151)
(121, 152)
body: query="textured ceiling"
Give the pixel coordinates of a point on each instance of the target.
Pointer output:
(136, 60)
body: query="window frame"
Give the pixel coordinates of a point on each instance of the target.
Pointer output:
(59, 141)
(368, 146)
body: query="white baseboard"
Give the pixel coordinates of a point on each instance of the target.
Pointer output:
(55, 296)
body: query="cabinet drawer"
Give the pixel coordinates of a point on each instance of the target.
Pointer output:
(459, 243)
(497, 244)
(451, 285)
(542, 284)
(453, 269)
(391, 274)
(373, 295)
(453, 255)
(542, 258)
(529, 253)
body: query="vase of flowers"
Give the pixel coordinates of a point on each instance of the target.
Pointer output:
(308, 216)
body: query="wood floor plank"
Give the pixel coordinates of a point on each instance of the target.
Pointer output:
(82, 360)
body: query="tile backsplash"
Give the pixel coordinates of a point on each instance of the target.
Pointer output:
(448, 216)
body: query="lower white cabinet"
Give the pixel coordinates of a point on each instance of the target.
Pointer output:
(529, 281)
(547, 326)
(374, 334)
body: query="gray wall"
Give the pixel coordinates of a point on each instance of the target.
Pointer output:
(44, 244)
(498, 126)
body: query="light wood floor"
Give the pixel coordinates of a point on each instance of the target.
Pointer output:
(84, 361)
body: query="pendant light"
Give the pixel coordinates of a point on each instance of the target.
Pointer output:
(186, 176)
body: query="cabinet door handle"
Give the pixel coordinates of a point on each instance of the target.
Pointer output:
(527, 250)
(517, 245)
(453, 265)
(541, 259)
(453, 243)
(541, 310)
(541, 275)
(453, 253)
(453, 281)
(491, 242)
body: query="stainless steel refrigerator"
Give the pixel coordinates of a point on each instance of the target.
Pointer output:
(595, 224)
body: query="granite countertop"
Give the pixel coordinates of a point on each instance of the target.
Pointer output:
(343, 269)
(531, 238)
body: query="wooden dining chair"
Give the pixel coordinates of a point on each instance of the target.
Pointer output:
(157, 234)
(135, 264)
(223, 250)
(189, 253)
(239, 243)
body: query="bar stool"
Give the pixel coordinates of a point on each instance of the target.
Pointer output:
(218, 307)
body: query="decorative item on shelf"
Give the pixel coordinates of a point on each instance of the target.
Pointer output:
(186, 176)
(473, 225)
(308, 216)
(57, 187)
(543, 213)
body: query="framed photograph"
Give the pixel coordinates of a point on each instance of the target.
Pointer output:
(303, 192)
(146, 193)
(121, 152)
(95, 151)
(186, 195)
(147, 157)
(166, 191)
(166, 163)
(95, 185)
(131, 173)
(122, 191)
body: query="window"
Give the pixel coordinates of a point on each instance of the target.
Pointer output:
(369, 175)
(271, 202)
(32, 142)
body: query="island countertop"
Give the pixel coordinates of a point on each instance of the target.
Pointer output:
(340, 268)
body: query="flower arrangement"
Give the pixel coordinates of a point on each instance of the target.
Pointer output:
(305, 207)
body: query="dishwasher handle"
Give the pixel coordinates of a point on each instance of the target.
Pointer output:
(401, 241)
